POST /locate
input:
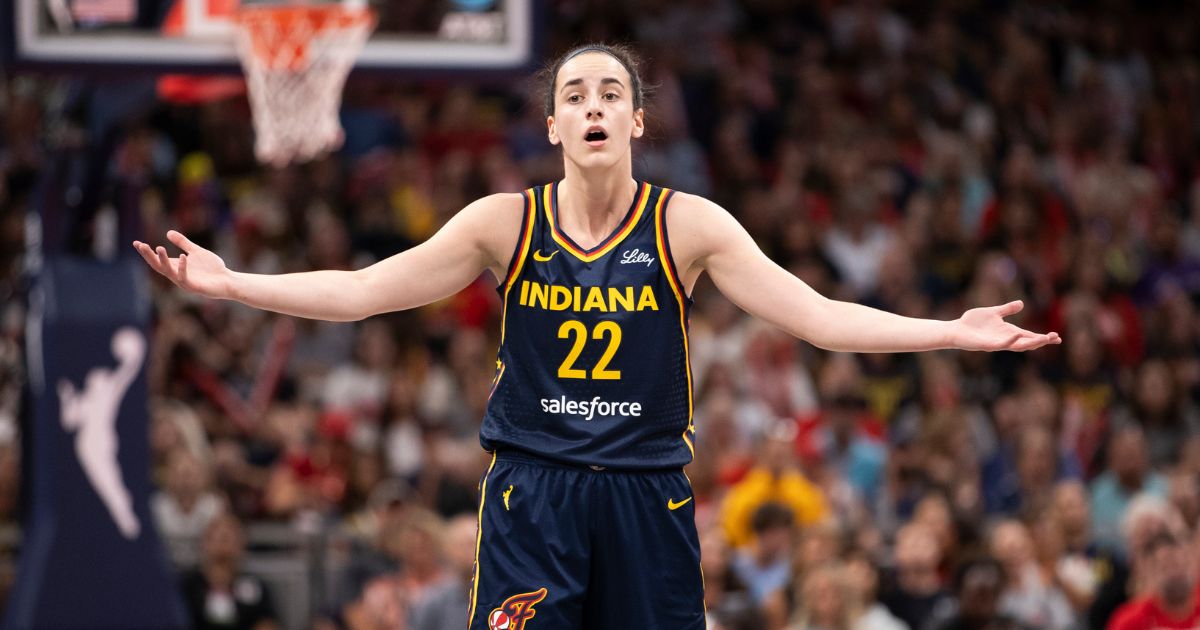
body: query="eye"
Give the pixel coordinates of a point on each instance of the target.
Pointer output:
(611, 96)
(575, 98)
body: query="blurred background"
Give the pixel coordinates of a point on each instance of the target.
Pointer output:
(920, 157)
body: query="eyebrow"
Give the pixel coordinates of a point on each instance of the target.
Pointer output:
(604, 81)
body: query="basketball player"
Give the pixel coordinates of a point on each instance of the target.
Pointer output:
(586, 518)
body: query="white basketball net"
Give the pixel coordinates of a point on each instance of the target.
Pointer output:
(296, 59)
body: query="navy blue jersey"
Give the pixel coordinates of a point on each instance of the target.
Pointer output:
(593, 365)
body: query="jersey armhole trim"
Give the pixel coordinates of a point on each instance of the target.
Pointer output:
(668, 264)
(664, 244)
(518, 259)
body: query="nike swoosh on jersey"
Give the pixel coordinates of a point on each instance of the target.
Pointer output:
(672, 505)
(538, 256)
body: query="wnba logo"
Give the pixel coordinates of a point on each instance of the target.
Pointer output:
(515, 611)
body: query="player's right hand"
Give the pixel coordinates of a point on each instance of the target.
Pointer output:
(196, 269)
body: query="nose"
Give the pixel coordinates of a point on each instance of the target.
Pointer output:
(593, 109)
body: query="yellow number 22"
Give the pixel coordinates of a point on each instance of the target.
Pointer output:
(576, 329)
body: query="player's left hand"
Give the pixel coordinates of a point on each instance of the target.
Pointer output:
(985, 329)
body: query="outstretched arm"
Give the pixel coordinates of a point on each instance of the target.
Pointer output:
(704, 237)
(474, 240)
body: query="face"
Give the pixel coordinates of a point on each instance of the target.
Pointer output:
(186, 475)
(821, 588)
(775, 541)
(1154, 386)
(862, 578)
(1071, 506)
(1036, 462)
(1011, 544)
(980, 591)
(460, 542)
(223, 539)
(1127, 456)
(594, 119)
(1169, 563)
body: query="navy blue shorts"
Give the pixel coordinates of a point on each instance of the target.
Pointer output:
(563, 547)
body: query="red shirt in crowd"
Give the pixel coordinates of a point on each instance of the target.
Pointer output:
(1146, 614)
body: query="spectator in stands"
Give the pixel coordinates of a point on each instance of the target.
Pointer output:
(218, 593)
(826, 601)
(777, 478)
(856, 455)
(1029, 596)
(1183, 491)
(445, 604)
(1069, 556)
(425, 572)
(726, 599)
(862, 580)
(1160, 407)
(183, 510)
(917, 593)
(978, 585)
(765, 564)
(1146, 517)
(1127, 474)
(1166, 570)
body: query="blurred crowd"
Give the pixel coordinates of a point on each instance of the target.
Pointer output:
(923, 158)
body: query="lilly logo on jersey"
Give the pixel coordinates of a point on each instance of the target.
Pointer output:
(515, 611)
(636, 257)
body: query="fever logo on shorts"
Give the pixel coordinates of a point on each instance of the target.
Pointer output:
(515, 611)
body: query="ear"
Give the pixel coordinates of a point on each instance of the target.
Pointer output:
(639, 123)
(552, 130)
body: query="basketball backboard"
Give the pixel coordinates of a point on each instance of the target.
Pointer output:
(174, 35)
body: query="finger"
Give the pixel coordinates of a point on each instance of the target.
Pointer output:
(164, 261)
(183, 267)
(1012, 308)
(1026, 341)
(1040, 339)
(148, 256)
(180, 241)
(1009, 343)
(1032, 343)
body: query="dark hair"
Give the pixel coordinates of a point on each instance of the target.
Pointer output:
(770, 516)
(623, 54)
(985, 564)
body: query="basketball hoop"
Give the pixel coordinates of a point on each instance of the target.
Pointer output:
(296, 58)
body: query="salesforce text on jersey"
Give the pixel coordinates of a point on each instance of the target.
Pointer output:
(589, 408)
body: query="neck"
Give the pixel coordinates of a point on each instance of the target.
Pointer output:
(1130, 482)
(1077, 539)
(219, 574)
(187, 501)
(590, 197)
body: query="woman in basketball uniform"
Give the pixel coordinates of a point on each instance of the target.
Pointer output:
(586, 517)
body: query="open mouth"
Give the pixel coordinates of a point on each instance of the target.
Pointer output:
(595, 136)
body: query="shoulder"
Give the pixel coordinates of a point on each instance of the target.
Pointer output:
(696, 226)
(498, 206)
(682, 203)
(494, 219)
